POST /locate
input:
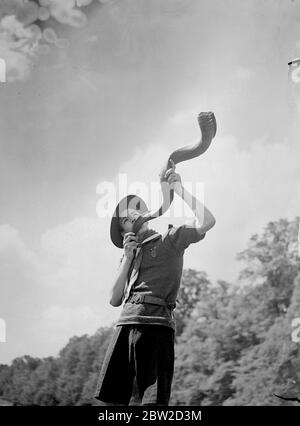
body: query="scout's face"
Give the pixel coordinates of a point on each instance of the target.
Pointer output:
(127, 219)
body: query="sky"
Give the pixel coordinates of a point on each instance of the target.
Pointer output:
(96, 90)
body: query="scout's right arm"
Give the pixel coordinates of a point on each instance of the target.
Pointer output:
(117, 292)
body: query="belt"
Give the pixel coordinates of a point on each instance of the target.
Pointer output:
(147, 298)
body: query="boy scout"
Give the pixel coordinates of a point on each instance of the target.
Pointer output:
(141, 351)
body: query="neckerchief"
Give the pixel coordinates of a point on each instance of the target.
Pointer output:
(133, 272)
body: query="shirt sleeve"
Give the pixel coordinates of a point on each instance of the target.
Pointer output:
(183, 236)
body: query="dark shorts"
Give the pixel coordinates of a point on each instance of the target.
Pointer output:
(140, 354)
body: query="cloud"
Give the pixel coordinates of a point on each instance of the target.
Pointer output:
(21, 38)
(14, 252)
(18, 45)
(57, 290)
(26, 12)
(244, 74)
(49, 35)
(294, 91)
(59, 324)
(65, 12)
(19, 287)
(75, 254)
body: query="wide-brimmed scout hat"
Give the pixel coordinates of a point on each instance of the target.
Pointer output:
(132, 202)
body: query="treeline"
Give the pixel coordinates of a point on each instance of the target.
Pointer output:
(68, 379)
(233, 342)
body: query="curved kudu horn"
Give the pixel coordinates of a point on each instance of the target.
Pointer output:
(178, 156)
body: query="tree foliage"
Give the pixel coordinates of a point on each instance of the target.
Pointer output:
(236, 349)
(69, 379)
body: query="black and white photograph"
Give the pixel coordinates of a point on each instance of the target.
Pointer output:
(149, 205)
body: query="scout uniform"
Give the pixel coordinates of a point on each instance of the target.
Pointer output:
(142, 347)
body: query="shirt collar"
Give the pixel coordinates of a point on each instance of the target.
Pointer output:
(149, 235)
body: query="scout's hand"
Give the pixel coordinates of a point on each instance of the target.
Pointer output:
(174, 180)
(130, 245)
(165, 170)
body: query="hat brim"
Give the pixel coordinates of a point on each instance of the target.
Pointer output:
(130, 201)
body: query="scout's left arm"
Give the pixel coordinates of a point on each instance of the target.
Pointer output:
(205, 220)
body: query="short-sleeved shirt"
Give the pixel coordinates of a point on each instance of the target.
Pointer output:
(159, 276)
